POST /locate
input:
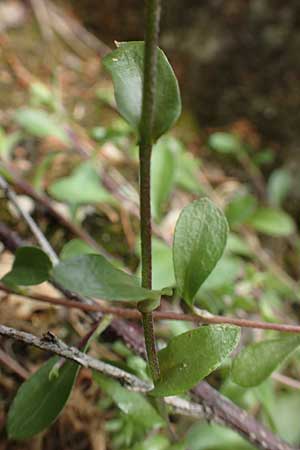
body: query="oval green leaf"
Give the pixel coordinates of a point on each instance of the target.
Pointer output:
(273, 222)
(94, 276)
(226, 143)
(40, 399)
(31, 266)
(83, 186)
(191, 356)
(199, 241)
(257, 361)
(40, 124)
(279, 185)
(126, 66)
(131, 403)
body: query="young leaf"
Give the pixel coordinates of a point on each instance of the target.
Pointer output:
(94, 276)
(199, 241)
(40, 399)
(132, 404)
(191, 356)
(81, 187)
(31, 266)
(273, 222)
(40, 124)
(257, 361)
(126, 66)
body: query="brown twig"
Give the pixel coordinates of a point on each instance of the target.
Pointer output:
(133, 314)
(286, 381)
(54, 345)
(46, 203)
(13, 365)
(215, 408)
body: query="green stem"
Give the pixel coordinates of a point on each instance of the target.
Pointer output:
(146, 142)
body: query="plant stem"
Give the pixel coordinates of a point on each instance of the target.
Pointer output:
(146, 142)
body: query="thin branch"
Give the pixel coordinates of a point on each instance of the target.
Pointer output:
(13, 365)
(226, 413)
(132, 314)
(42, 200)
(13, 198)
(216, 408)
(54, 345)
(286, 381)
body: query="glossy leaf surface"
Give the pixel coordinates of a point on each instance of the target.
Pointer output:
(199, 241)
(126, 65)
(94, 276)
(40, 399)
(191, 356)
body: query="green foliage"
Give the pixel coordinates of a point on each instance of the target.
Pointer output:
(163, 166)
(126, 65)
(240, 209)
(83, 186)
(75, 247)
(40, 124)
(94, 276)
(279, 185)
(31, 266)
(191, 356)
(199, 241)
(132, 404)
(40, 399)
(273, 222)
(214, 437)
(257, 361)
(162, 271)
(8, 143)
(226, 143)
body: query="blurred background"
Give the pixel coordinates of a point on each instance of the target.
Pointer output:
(73, 163)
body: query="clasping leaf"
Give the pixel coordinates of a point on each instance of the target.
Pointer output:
(126, 66)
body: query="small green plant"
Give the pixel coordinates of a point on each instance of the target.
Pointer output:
(148, 98)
